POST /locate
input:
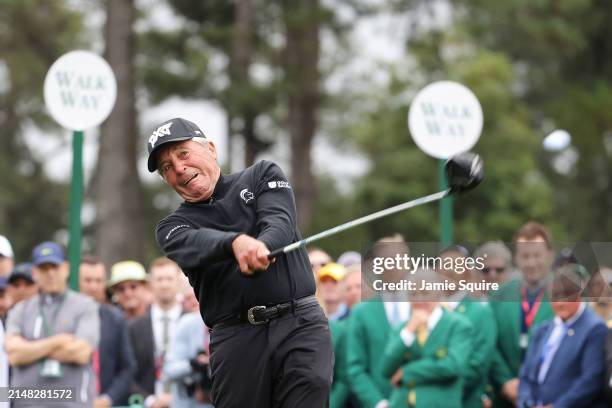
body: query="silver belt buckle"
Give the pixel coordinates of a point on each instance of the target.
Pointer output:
(251, 317)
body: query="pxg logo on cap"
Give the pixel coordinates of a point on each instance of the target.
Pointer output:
(48, 252)
(173, 130)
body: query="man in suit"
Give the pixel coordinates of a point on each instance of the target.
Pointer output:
(368, 328)
(480, 315)
(113, 360)
(151, 333)
(518, 306)
(564, 366)
(425, 359)
(608, 382)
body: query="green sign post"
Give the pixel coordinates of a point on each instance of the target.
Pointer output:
(80, 91)
(76, 199)
(446, 209)
(445, 119)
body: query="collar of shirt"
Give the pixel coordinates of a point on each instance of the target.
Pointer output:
(533, 291)
(403, 308)
(434, 318)
(571, 320)
(451, 305)
(456, 297)
(219, 191)
(342, 308)
(173, 313)
(51, 298)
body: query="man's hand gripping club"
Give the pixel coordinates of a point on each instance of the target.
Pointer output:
(251, 254)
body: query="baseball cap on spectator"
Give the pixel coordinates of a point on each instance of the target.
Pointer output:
(6, 250)
(332, 270)
(349, 258)
(126, 271)
(48, 252)
(21, 271)
(173, 130)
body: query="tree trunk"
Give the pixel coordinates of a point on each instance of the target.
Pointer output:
(240, 59)
(302, 75)
(118, 192)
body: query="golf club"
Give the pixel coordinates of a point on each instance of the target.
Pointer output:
(463, 171)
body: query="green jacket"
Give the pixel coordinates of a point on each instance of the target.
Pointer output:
(433, 373)
(506, 306)
(368, 330)
(340, 388)
(485, 338)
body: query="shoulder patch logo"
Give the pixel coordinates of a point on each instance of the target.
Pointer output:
(278, 184)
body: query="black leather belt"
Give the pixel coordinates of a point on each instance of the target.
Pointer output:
(257, 315)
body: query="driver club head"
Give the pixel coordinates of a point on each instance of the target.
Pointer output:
(464, 171)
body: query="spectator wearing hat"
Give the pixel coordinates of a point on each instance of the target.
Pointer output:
(6, 256)
(51, 336)
(151, 333)
(128, 285)
(565, 365)
(21, 285)
(6, 301)
(331, 291)
(113, 360)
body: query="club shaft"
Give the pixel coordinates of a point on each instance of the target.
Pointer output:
(359, 221)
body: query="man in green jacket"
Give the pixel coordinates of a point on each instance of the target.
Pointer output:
(340, 386)
(518, 306)
(426, 358)
(369, 326)
(481, 316)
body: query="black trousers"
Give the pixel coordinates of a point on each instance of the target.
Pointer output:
(286, 363)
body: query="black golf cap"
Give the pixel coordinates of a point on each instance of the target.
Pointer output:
(173, 130)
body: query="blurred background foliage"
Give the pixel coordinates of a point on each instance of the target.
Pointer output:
(535, 66)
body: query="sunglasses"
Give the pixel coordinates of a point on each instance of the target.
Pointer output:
(123, 288)
(319, 264)
(500, 269)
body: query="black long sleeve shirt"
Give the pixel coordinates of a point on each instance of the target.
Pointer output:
(259, 202)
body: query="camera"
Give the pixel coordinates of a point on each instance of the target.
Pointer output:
(199, 383)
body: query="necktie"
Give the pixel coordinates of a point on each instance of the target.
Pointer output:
(165, 341)
(395, 314)
(95, 362)
(421, 334)
(550, 349)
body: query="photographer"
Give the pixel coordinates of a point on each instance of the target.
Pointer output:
(187, 364)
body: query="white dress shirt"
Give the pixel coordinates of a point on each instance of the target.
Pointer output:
(433, 319)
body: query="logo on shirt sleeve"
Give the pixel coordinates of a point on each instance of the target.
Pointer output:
(278, 184)
(177, 227)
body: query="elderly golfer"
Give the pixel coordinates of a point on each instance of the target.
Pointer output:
(270, 343)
